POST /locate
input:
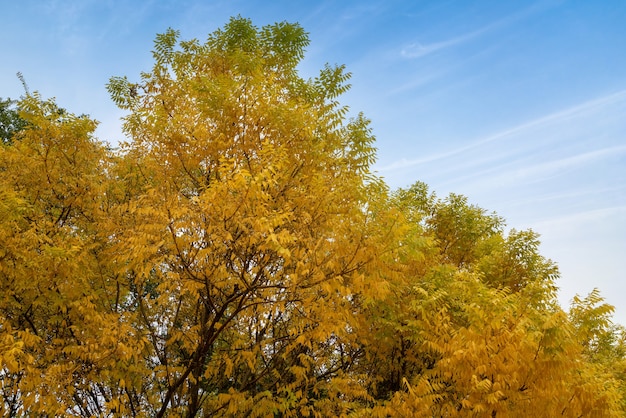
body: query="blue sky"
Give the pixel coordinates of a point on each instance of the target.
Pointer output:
(519, 105)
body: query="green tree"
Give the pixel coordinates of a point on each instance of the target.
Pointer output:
(10, 120)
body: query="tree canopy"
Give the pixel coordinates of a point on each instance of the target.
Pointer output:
(238, 256)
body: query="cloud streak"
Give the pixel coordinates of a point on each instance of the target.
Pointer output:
(553, 118)
(507, 176)
(417, 49)
(550, 167)
(578, 219)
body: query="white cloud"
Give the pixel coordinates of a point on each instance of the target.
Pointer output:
(561, 116)
(419, 49)
(551, 167)
(577, 220)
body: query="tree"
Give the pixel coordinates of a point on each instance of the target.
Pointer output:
(238, 257)
(603, 342)
(10, 120)
(236, 234)
(474, 328)
(57, 331)
(244, 248)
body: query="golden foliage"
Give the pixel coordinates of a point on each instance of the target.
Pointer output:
(238, 257)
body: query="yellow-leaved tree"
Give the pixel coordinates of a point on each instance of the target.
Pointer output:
(60, 332)
(239, 257)
(474, 328)
(245, 240)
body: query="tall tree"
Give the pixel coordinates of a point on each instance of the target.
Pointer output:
(245, 246)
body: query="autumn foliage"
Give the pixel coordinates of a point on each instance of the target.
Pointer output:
(238, 256)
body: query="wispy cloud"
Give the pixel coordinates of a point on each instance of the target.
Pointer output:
(580, 218)
(419, 49)
(560, 199)
(515, 175)
(505, 174)
(550, 167)
(553, 118)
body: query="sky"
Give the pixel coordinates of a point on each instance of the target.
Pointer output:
(518, 105)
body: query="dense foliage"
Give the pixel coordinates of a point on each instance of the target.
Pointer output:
(10, 120)
(238, 257)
